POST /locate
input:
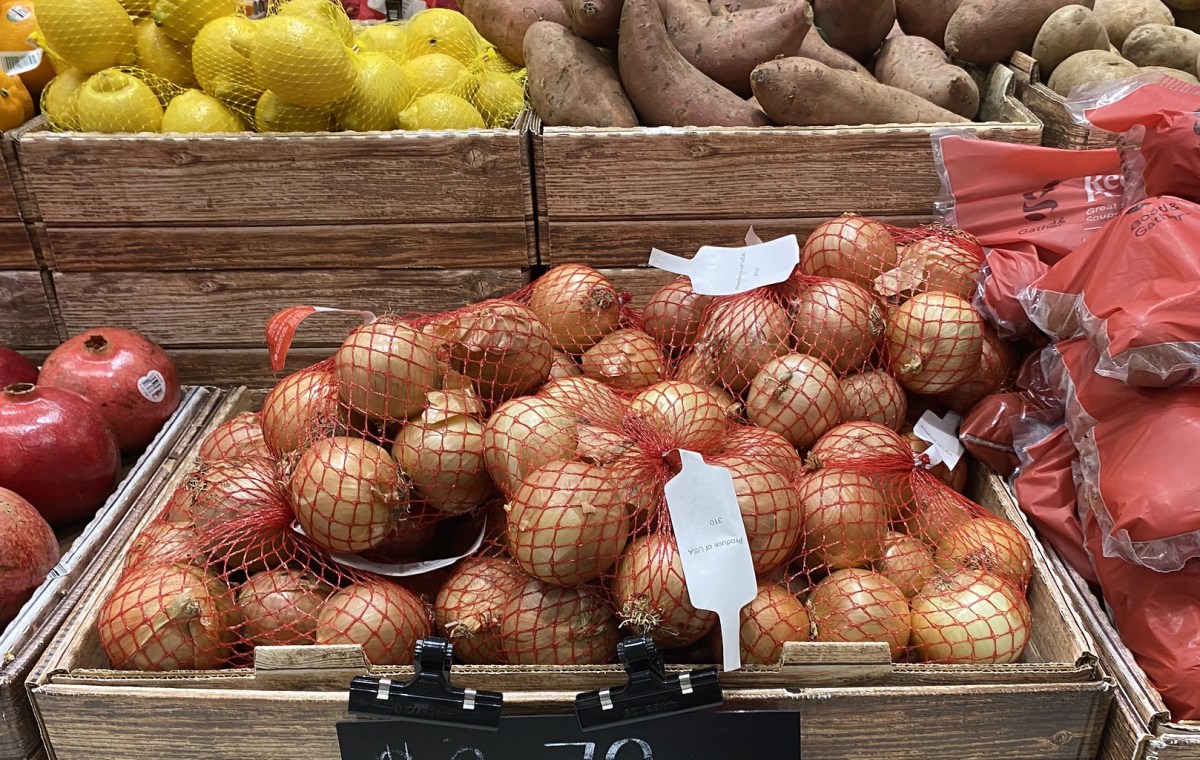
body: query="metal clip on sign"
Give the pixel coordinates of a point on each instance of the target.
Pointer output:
(428, 697)
(649, 693)
(395, 10)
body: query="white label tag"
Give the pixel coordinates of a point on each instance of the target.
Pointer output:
(729, 271)
(152, 386)
(18, 13)
(713, 546)
(20, 62)
(941, 433)
(403, 569)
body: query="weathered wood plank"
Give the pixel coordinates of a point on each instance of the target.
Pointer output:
(1060, 130)
(226, 367)
(639, 283)
(370, 177)
(25, 318)
(16, 250)
(10, 208)
(231, 308)
(352, 246)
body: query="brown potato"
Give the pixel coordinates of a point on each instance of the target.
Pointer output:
(594, 20)
(1159, 45)
(1089, 66)
(990, 31)
(504, 23)
(1120, 17)
(856, 27)
(815, 47)
(921, 67)
(571, 82)
(1068, 31)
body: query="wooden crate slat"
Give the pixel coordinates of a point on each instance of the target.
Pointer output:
(231, 308)
(640, 283)
(25, 317)
(367, 246)
(16, 250)
(1060, 131)
(91, 179)
(10, 208)
(225, 367)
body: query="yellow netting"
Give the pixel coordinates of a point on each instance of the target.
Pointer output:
(277, 66)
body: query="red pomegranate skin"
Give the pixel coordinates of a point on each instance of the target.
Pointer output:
(115, 370)
(28, 552)
(15, 368)
(57, 452)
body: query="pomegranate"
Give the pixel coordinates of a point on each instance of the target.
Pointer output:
(15, 368)
(29, 549)
(59, 453)
(130, 380)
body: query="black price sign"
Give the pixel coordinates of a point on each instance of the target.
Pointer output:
(690, 736)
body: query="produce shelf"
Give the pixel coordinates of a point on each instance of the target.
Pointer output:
(1061, 130)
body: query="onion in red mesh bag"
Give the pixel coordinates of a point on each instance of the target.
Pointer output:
(686, 416)
(279, 607)
(300, 406)
(944, 264)
(626, 359)
(970, 617)
(935, 341)
(857, 443)
(772, 619)
(673, 314)
(990, 544)
(162, 542)
(652, 597)
(442, 453)
(762, 444)
(231, 502)
(567, 523)
(501, 346)
(562, 365)
(577, 303)
(384, 370)
(770, 508)
(907, 562)
(738, 336)
(407, 536)
(860, 605)
(384, 619)
(587, 398)
(168, 617)
(835, 321)
(996, 364)
(850, 247)
(470, 605)
(347, 492)
(524, 434)
(550, 625)
(239, 437)
(797, 396)
(873, 396)
(956, 479)
(845, 519)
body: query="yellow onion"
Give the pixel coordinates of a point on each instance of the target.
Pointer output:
(849, 247)
(837, 322)
(797, 396)
(238, 437)
(989, 544)
(551, 625)
(525, 434)
(947, 266)
(279, 607)
(442, 453)
(873, 396)
(907, 562)
(577, 303)
(502, 346)
(673, 314)
(970, 617)
(774, 618)
(384, 370)
(163, 542)
(956, 479)
(470, 604)
(302, 407)
(739, 335)
(652, 596)
(845, 519)
(562, 365)
(587, 399)
(627, 360)
(384, 619)
(934, 342)
(764, 445)
(238, 508)
(686, 416)
(996, 364)
(854, 444)
(861, 605)
(771, 511)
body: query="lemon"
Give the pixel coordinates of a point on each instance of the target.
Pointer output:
(58, 99)
(379, 94)
(494, 60)
(89, 35)
(221, 61)
(162, 56)
(440, 30)
(182, 20)
(194, 111)
(113, 101)
(384, 38)
(440, 111)
(139, 8)
(276, 115)
(302, 61)
(499, 99)
(439, 73)
(327, 12)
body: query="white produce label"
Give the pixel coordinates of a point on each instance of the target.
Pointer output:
(729, 271)
(401, 569)
(152, 386)
(19, 62)
(941, 433)
(713, 546)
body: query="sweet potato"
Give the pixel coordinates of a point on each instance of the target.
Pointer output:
(919, 66)
(1120, 17)
(728, 47)
(1068, 31)
(1089, 66)
(803, 92)
(664, 88)
(504, 22)
(856, 27)
(990, 31)
(816, 48)
(594, 20)
(733, 6)
(571, 82)
(926, 18)
(1166, 46)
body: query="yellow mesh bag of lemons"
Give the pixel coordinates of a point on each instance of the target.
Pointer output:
(203, 66)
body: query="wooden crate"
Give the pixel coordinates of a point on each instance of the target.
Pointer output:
(1060, 131)
(16, 247)
(606, 196)
(851, 701)
(27, 636)
(26, 310)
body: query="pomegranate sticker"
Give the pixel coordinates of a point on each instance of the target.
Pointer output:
(152, 386)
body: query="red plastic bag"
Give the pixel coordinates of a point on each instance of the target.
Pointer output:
(1133, 291)
(986, 432)
(1130, 443)
(1028, 206)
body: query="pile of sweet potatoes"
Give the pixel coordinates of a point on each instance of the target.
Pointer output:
(746, 63)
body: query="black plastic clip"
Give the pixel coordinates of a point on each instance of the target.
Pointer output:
(428, 697)
(650, 692)
(395, 9)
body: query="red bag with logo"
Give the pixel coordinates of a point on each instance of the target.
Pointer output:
(1028, 206)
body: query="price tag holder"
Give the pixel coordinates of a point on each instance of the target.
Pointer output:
(690, 736)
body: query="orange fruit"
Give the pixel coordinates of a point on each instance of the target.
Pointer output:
(16, 104)
(17, 22)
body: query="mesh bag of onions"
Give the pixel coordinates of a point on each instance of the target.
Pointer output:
(553, 417)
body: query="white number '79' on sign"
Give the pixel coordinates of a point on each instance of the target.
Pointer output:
(614, 750)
